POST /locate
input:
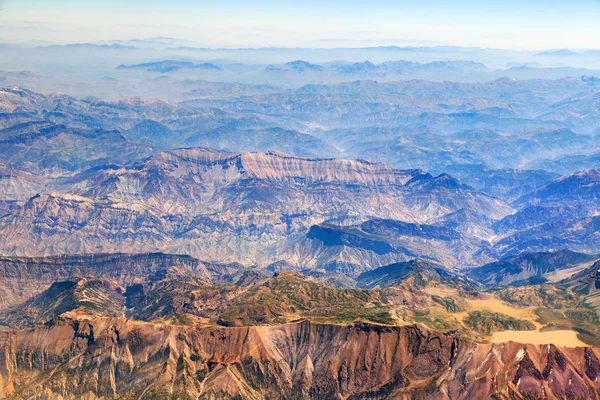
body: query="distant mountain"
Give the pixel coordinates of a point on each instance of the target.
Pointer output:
(231, 138)
(527, 268)
(580, 188)
(200, 89)
(56, 147)
(57, 134)
(160, 42)
(167, 66)
(559, 53)
(356, 68)
(560, 214)
(469, 223)
(302, 66)
(363, 119)
(97, 151)
(18, 184)
(578, 112)
(152, 130)
(571, 163)
(353, 249)
(531, 216)
(113, 46)
(371, 69)
(578, 234)
(295, 66)
(508, 184)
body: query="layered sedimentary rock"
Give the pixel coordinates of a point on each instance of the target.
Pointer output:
(113, 357)
(250, 208)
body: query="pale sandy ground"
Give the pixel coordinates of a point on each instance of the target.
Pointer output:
(557, 338)
(559, 275)
(563, 338)
(496, 305)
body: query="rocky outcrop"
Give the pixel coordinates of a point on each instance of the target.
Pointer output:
(113, 357)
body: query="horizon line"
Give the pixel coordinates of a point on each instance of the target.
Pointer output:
(109, 42)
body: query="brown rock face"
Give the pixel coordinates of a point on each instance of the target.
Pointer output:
(114, 357)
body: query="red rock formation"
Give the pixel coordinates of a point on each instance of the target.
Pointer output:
(109, 358)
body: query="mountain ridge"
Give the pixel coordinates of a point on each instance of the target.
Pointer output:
(215, 204)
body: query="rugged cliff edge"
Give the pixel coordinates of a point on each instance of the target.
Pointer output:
(71, 358)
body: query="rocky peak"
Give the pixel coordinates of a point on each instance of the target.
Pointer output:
(422, 270)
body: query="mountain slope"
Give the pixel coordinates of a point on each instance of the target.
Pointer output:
(83, 295)
(580, 188)
(527, 266)
(424, 271)
(353, 249)
(577, 234)
(22, 278)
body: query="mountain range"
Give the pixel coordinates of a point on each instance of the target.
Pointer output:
(202, 202)
(377, 223)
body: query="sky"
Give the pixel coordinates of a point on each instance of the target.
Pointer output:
(508, 24)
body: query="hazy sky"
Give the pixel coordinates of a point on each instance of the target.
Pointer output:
(523, 24)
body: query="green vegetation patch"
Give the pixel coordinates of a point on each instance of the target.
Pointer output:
(539, 296)
(291, 295)
(343, 315)
(488, 322)
(451, 304)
